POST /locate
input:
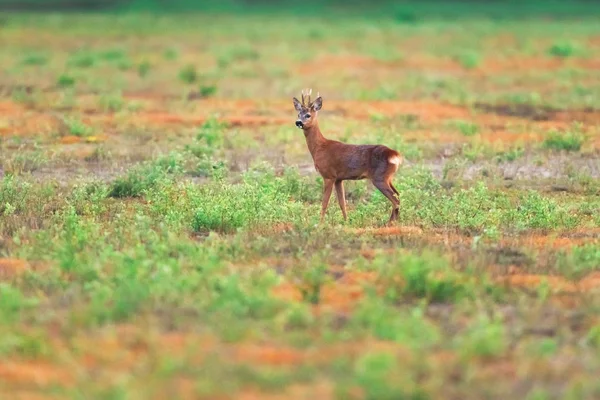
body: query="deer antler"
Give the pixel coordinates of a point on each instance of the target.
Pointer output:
(306, 97)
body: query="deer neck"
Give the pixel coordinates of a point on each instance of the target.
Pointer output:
(314, 138)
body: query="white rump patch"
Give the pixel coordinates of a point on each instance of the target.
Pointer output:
(395, 160)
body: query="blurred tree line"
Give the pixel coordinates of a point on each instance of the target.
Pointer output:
(454, 7)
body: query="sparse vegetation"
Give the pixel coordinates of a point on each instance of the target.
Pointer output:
(159, 210)
(188, 74)
(65, 81)
(562, 49)
(567, 141)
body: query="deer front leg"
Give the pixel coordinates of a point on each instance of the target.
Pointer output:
(339, 191)
(327, 188)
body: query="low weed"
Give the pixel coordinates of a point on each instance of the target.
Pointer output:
(143, 69)
(22, 162)
(425, 276)
(77, 127)
(145, 177)
(35, 60)
(485, 338)
(111, 102)
(465, 127)
(571, 140)
(82, 60)
(563, 49)
(207, 90)
(65, 81)
(468, 59)
(510, 155)
(256, 201)
(188, 74)
(384, 322)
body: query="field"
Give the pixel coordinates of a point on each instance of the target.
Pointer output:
(159, 211)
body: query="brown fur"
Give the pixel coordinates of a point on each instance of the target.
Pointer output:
(337, 161)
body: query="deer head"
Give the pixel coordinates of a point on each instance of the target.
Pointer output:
(307, 109)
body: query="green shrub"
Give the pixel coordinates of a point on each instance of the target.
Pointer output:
(188, 74)
(562, 49)
(111, 102)
(207, 90)
(144, 68)
(35, 59)
(424, 276)
(568, 141)
(485, 338)
(468, 59)
(146, 176)
(82, 60)
(465, 127)
(77, 127)
(65, 81)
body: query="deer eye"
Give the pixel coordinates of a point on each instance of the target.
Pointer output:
(306, 115)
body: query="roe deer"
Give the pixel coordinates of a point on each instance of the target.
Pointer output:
(337, 161)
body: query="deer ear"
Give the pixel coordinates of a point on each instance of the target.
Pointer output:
(297, 105)
(317, 104)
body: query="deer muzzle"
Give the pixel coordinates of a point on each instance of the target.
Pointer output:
(299, 124)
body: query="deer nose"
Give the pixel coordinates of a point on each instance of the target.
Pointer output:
(299, 124)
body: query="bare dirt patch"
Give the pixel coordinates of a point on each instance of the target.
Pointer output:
(555, 283)
(10, 267)
(340, 294)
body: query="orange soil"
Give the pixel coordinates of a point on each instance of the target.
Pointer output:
(70, 139)
(318, 390)
(249, 113)
(231, 120)
(490, 66)
(439, 236)
(556, 283)
(336, 63)
(340, 295)
(34, 373)
(495, 65)
(10, 267)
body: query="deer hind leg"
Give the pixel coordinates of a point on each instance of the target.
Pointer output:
(388, 192)
(394, 189)
(339, 191)
(327, 188)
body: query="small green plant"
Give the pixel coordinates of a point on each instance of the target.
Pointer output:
(425, 276)
(82, 60)
(465, 127)
(188, 74)
(562, 49)
(171, 54)
(77, 127)
(468, 59)
(313, 279)
(145, 177)
(567, 141)
(510, 155)
(144, 68)
(35, 60)
(112, 102)
(209, 138)
(485, 338)
(207, 90)
(65, 80)
(112, 55)
(13, 302)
